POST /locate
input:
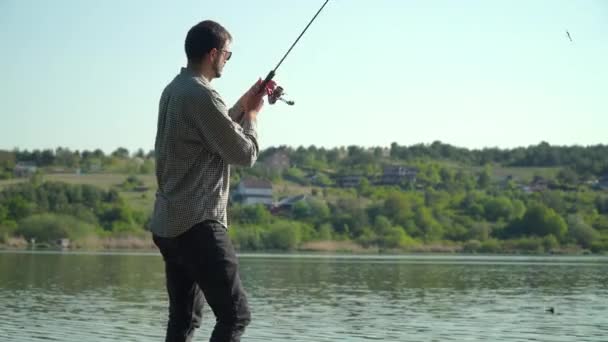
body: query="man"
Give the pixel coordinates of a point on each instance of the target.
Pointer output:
(197, 139)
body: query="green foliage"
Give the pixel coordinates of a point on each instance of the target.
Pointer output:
(395, 237)
(50, 227)
(485, 177)
(600, 246)
(301, 211)
(601, 203)
(525, 245)
(131, 183)
(539, 220)
(250, 214)
(580, 232)
(498, 208)
(324, 232)
(282, 235)
(490, 246)
(121, 152)
(319, 210)
(3, 214)
(19, 208)
(430, 229)
(322, 179)
(479, 231)
(247, 237)
(296, 175)
(567, 176)
(460, 196)
(52, 203)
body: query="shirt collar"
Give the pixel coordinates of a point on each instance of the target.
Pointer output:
(189, 73)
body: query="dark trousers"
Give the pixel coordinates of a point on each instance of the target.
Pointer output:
(201, 265)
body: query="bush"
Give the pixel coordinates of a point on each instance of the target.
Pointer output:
(472, 246)
(538, 220)
(600, 246)
(527, 244)
(550, 242)
(490, 246)
(247, 237)
(296, 175)
(324, 232)
(7, 229)
(581, 232)
(131, 183)
(50, 227)
(396, 237)
(282, 235)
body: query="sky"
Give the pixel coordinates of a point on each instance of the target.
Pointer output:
(88, 74)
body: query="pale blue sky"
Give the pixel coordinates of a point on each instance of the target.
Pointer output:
(88, 74)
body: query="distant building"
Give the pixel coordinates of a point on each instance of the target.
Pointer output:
(397, 174)
(538, 184)
(25, 169)
(279, 161)
(287, 203)
(63, 243)
(349, 181)
(253, 191)
(602, 183)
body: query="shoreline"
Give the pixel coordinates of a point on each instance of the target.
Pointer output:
(143, 245)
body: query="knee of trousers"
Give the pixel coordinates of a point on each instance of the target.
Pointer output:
(240, 317)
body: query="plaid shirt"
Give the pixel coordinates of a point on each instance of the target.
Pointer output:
(196, 141)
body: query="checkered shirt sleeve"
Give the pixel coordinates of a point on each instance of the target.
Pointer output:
(196, 141)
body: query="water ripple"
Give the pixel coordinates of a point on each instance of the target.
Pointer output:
(106, 297)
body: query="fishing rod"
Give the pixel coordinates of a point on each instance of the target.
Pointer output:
(274, 91)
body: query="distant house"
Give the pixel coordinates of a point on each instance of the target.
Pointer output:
(397, 174)
(63, 243)
(287, 203)
(279, 161)
(349, 181)
(25, 169)
(602, 183)
(538, 184)
(253, 191)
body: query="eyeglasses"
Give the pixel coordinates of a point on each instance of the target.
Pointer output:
(228, 54)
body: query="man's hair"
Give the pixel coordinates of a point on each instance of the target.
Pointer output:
(203, 37)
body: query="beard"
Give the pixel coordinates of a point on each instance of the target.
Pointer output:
(217, 68)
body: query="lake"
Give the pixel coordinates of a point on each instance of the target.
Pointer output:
(98, 297)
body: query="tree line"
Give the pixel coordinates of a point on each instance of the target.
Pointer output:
(456, 201)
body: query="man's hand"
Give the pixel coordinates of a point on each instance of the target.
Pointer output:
(253, 100)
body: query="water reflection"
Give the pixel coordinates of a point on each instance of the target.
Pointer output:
(106, 297)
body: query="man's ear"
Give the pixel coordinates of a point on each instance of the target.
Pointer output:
(212, 54)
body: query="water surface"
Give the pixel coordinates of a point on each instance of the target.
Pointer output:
(121, 297)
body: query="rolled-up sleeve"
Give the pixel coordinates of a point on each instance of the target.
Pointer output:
(235, 143)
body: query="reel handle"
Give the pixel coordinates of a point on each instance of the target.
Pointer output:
(268, 78)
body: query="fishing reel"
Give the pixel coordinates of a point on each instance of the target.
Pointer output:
(275, 93)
